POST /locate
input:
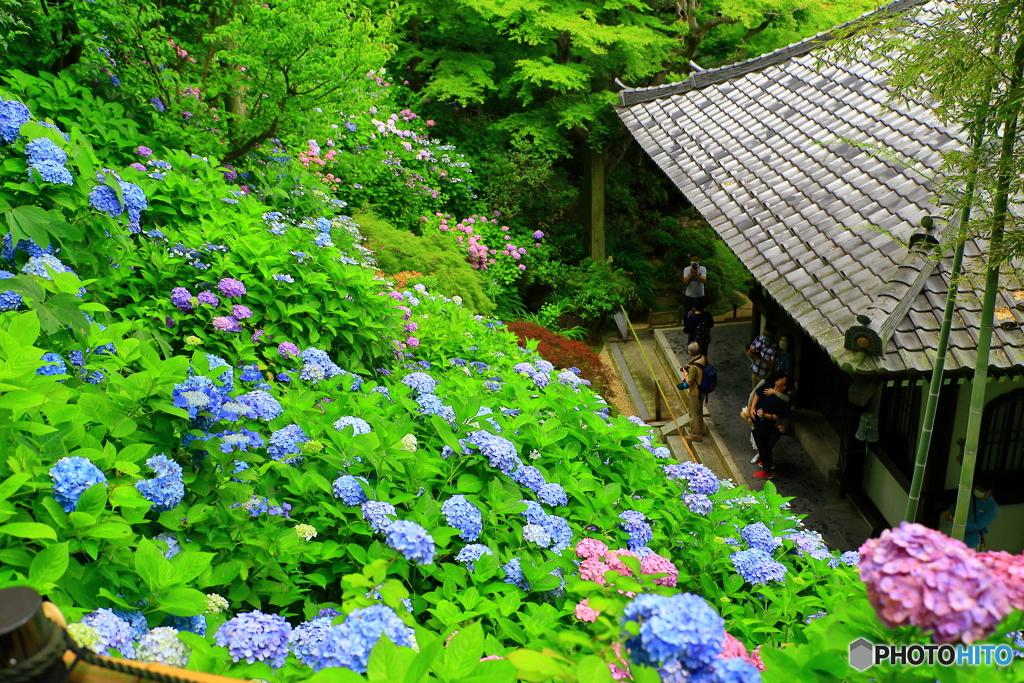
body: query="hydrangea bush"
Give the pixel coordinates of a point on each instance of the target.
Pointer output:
(229, 445)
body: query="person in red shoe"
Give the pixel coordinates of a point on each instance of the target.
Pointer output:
(768, 411)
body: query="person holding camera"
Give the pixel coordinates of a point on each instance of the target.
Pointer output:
(694, 277)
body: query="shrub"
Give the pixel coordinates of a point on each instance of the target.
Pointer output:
(565, 353)
(440, 261)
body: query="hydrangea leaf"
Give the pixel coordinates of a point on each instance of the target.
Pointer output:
(33, 530)
(48, 566)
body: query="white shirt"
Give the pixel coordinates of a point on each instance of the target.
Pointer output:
(696, 288)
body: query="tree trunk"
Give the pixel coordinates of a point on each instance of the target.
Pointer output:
(593, 189)
(1014, 93)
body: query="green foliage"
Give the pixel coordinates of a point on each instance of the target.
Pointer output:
(437, 257)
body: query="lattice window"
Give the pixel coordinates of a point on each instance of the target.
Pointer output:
(899, 421)
(1002, 434)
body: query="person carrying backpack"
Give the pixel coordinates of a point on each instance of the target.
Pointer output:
(700, 381)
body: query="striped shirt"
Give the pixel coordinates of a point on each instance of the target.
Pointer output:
(768, 351)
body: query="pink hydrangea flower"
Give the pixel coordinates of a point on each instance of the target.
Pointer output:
(620, 671)
(656, 564)
(226, 323)
(732, 648)
(918, 576)
(593, 569)
(755, 659)
(490, 658)
(591, 547)
(411, 327)
(585, 612)
(1010, 570)
(615, 564)
(412, 342)
(241, 312)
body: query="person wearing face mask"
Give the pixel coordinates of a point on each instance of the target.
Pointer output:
(980, 514)
(694, 277)
(697, 326)
(763, 353)
(786, 363)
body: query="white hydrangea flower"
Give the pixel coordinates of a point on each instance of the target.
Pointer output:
(215, 604)
(306, 532)
(86, 636)
(409, 443)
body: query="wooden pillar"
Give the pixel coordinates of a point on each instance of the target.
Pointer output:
(594, 188)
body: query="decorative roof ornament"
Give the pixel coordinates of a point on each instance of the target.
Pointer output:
(862, 338)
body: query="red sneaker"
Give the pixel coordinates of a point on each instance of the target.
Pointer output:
(763, 474)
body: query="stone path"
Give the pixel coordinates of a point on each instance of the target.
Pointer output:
(796, 475)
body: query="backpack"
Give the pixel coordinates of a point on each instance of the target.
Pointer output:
(708, 380)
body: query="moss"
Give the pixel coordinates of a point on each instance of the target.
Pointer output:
(442, 263)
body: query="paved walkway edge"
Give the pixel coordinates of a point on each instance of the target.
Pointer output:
(671, 364)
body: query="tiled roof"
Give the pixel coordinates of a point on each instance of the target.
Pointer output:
(743, 143)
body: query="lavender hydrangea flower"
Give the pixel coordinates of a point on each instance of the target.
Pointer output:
(698, 503)
(552, 494)
(72, 475)
(115, 633)
(757, 567)
(411, 540)
(683, 627)
(285, 442)
(162, 645)
(209, 298)
(230, 287)
(358, 424)
(226, 323)
(304, 640)
(759, 536)
(256, 637)
(288, 349)
(347, 488)
(349, 644)
(699, 477)
(471, 553)
(919, 577)
(529, 477)
(378, 513)
(165, 490)
(464, 516)
(182, 299)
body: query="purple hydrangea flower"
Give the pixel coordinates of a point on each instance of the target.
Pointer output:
(240, 312)
(288, 349)
(143, 151)
(209, 298)
(182, 299)
(256, 637)
(226, 323)
(230, 287)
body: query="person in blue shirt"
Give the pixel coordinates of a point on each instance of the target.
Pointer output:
(982, 512)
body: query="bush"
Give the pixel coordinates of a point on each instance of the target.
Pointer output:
(440, 260)
(565, 353)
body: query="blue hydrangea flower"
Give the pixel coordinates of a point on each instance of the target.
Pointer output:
(682, 627)
(560, 531)
(412, 540)
(103, 198)
(544, 366)
(36, 265)
(379, 514)
(571, 379)
(757, 567)
(285, 442)
(13, 115)
(850, 558)
(349, 644)
(162, 645)
(196, 624)
(635, 524)
(250, 373)
(700, 478)
(347, 488)
(307, 636)
(810, 543)
(317, 365)
(198, 394)
(499, 451)
(264, 406)
(54, 365)
(514, 574)
(44, 149)
(529, 477)
(552, 494)
(534, 533)
(735, 670)
(540, 380)
(534, 513)
(471, 553)
(165, 490)
(115, 632)
(9, 300)
(698, 503)
(464, 516)
(136, 620)
(255, 506)
(173, 547)
(757, 535)
(523, 369)
(358, 424)
(382, 390)
(226, 376)
(71, 477)
(420, 382)
(432, 405)
(241, 440)
(52, 172)
(661, 452)
(256, 637)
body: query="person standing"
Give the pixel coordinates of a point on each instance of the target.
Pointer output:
(982, 512)
(768, 411)
(698, 326)
(694, 277)
(763, 353)
(694, 376)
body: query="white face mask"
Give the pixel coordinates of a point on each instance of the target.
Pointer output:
(783, 344)
(979, 494)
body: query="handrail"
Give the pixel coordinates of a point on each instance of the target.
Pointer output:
(657, 384)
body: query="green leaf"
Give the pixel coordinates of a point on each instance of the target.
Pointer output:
(337, 674)
(93, 500)
(187, 566)
(11, 484)
(593, 669)
(150, 564)
(464, 651)
(183, 602)
(49, 565)
(422, 662)
(111, 530)
(386, 662)
(29, 530)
